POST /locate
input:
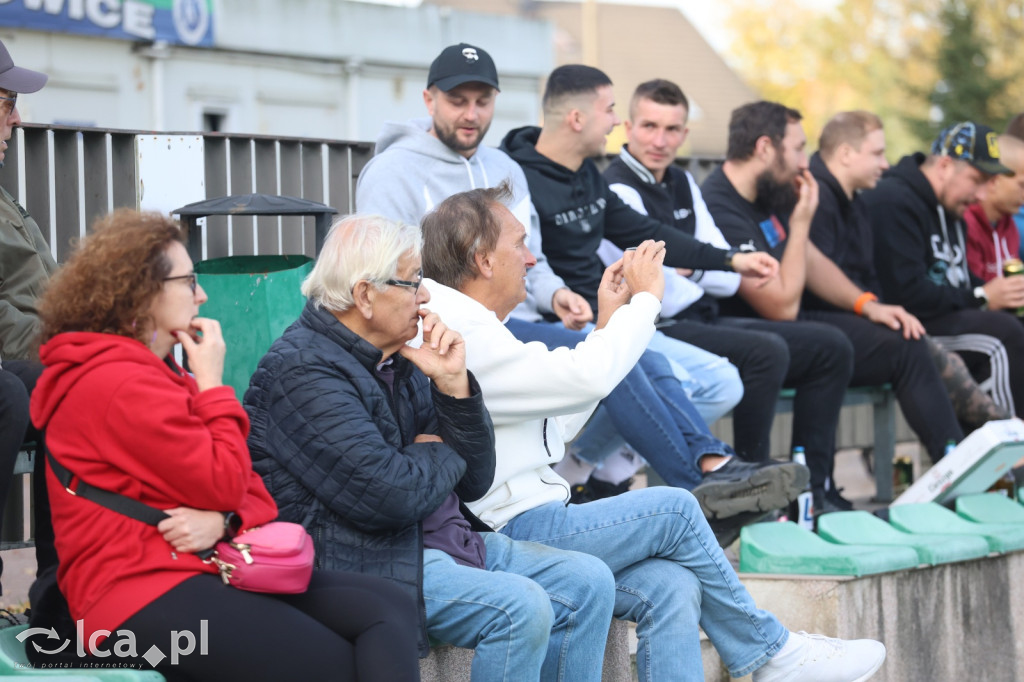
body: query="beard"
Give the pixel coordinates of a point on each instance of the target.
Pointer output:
(774, 197)
(450, 138)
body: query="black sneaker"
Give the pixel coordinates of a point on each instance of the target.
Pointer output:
(579, 494)
(601, 489)
(595, 489)
(830, 500)
(740, 486)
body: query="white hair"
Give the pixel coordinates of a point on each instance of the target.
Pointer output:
(358, 247)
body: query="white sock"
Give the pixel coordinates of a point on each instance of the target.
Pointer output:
(619, 467)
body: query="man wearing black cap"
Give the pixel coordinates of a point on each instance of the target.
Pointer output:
(421, 163)
(25, 266)
(921, 259)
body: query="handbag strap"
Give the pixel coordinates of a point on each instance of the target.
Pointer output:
(113, 501)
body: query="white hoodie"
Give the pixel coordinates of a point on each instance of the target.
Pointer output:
(539, 398)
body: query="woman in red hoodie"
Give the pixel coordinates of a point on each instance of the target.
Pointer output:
(121, 415)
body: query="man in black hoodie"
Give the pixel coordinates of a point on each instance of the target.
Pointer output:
(921, 261)
(850, 158)
(576, 207)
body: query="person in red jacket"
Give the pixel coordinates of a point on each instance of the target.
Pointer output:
(992, 236)
(122, 416)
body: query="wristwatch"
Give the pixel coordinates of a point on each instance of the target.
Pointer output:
(729, 255)
(980, 295)
(232, 524)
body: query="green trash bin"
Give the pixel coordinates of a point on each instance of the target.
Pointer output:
(254, 298)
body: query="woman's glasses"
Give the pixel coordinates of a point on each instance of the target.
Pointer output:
(191, 277)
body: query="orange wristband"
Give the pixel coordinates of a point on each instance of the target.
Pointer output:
(858, 305)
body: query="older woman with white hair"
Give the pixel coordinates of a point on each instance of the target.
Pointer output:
(374, 446)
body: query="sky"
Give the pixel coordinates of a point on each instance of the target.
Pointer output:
(709, 16)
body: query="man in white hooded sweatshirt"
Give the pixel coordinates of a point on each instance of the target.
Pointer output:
(670, 574)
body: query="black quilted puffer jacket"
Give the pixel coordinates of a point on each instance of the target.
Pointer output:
(337, 453)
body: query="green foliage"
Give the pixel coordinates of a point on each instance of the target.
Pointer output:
(967, 87)
(909, 61)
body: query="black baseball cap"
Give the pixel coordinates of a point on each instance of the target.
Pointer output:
(17, 79)
(974, 143)
(462, 63)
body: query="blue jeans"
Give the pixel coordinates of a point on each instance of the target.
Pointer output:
(649, 408)
(670, 577)
(535, 613)
(712, 382)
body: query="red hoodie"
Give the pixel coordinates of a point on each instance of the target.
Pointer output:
(989, 247)
(121, 419)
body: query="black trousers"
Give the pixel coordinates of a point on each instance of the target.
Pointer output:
(882, 355)
(992, 346)
(346, 626)
(17, 379)
(814, 358)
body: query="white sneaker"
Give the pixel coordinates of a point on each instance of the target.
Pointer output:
(816, 658)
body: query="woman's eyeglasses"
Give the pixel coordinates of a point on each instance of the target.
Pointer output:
(190, 277)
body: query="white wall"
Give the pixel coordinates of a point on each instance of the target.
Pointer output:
(311, 68)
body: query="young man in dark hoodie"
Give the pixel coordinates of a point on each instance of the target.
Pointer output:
(920, 256)
(850, 158)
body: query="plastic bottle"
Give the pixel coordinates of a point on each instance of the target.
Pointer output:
(801, 510)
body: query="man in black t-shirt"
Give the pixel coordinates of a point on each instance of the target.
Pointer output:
(764, 197)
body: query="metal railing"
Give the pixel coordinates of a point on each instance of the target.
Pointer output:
(66, 177)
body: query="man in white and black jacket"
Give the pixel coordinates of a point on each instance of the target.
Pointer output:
(920, 254)
(645, 176)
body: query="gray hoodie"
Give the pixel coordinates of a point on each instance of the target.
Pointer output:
(412, 172)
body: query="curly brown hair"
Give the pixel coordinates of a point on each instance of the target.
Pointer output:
(112, 277)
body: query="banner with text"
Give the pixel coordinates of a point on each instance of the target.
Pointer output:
(180, 22)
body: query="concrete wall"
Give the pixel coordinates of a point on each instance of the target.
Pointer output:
(949, 623)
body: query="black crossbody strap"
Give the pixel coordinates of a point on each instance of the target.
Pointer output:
(113, 501)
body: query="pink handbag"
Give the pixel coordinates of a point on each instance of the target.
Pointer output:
(276, 558)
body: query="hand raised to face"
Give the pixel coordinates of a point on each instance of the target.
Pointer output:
(442, 356)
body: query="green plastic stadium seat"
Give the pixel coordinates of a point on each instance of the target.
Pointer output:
(786, 548)
(863, 528)
(934, 518)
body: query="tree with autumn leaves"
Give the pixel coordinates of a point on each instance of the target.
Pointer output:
(919, 64)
